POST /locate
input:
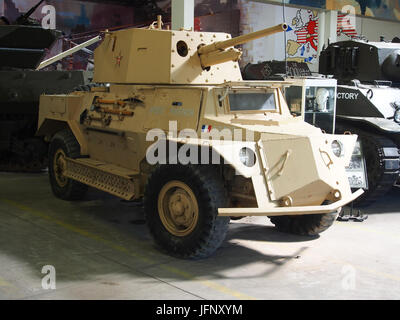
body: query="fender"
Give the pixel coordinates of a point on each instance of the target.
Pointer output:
(381, 124)
(60, 111)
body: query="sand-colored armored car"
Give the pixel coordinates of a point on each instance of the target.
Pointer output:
(176, 125)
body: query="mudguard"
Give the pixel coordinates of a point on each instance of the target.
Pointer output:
(382, 124)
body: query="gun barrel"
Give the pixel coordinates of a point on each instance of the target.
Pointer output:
(29, 13)
(221, 45)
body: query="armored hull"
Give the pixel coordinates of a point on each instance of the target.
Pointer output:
(24, 46)
(21, 50)
(20, 91)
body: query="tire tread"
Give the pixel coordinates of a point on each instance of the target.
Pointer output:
(210, 192)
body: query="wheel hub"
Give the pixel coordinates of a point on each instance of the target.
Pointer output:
(178, 208)
(59, 167)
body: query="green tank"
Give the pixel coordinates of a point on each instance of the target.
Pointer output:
(23, 44)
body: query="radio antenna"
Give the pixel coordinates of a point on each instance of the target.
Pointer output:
(284, 38)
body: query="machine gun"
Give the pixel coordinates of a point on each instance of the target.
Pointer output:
(25, 19)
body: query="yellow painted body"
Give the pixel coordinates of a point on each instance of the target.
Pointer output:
(152, 86)
(151, 56)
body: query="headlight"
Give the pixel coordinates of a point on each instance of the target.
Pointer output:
(247, 157)
(397, 116)
(337, 148)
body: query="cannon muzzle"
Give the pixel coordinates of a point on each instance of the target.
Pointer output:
(215, 53)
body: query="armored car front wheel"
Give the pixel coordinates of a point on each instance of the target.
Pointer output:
(305, 225)
(181, 205)
(64, 145)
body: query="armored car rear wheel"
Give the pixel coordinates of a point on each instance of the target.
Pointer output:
(181, 205)
(305, 225)
(64, 145)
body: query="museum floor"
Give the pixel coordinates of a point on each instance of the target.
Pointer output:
(100, 249)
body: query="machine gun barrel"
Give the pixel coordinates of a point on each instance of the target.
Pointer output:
(23, 18)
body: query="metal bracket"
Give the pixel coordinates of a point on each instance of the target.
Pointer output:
(287, 154)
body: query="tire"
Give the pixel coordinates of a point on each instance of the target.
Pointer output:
(197, 187)
(64, 144)
(305, 225)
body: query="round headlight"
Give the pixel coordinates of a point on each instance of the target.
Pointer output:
(397, 116)
(337, 148)
(247, 157)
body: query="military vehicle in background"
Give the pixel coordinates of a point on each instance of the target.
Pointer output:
(368, 104)
(311, 97)
(174, 134)
(23, 44)
(278, 70)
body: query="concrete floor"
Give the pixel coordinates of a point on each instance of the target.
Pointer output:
(101, 249)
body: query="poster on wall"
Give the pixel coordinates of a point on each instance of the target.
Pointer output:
(302, 35)
(299, 43)
(382, 9)
(346, 27)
